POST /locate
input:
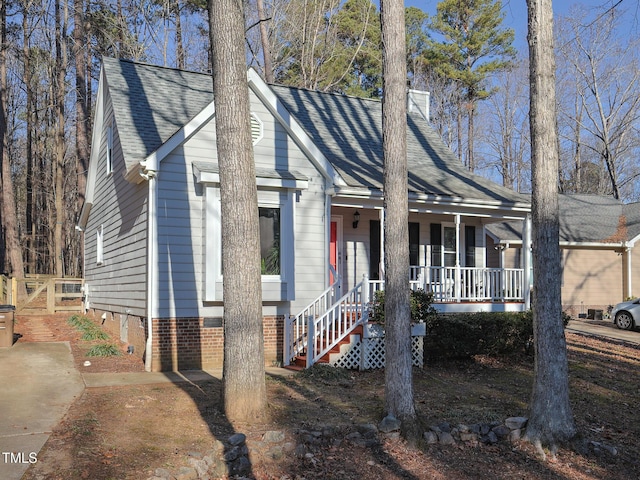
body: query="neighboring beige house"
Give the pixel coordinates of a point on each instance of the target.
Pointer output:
(600, 259)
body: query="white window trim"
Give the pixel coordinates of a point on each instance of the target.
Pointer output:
(274, 287)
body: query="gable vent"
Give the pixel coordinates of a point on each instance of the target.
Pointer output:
(256, 129)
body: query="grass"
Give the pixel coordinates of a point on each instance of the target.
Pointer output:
(104, 350)
(92, 333)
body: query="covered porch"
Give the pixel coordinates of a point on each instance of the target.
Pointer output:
(447, 254)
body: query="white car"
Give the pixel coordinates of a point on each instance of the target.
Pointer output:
(626, 315)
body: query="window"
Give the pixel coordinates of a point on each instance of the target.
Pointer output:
(100, 245)
(470, 246)
(109, 149)
(269, 240)
(278, 193)
(444, 245)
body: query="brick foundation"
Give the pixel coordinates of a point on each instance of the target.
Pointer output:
(189, 344)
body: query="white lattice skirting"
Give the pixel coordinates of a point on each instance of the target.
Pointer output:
(368, 353)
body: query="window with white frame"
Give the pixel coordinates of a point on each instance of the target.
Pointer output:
(109, 152)
(100, 245)
(277, 194)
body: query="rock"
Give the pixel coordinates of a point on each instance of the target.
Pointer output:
(237, 439)
(186, 473)
(232, 454)
(430, 437)
(445, 427)
(515, 423)
(501, 431)
(162, 473)
(599, 448)
(389, 424)
(200, 466)
(273, 436)
(469, 437)
(276, 452)
(489, 438)
(462, 428)
(240, 466)
(485, 429)
(367, 430)
(446, 438)
(515, 435)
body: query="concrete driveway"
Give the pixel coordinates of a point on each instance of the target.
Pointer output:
(604, 329)
(39, 382)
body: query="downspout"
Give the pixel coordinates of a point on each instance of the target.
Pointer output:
(151, 178)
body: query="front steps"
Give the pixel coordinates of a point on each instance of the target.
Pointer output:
(342, 347)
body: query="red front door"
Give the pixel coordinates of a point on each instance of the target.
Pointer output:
(333, 250)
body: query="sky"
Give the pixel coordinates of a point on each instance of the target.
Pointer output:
(516, 14)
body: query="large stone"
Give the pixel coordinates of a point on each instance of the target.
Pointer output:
(430, 437)
(273, 436)
(515, 423)
(237, 439)
(186, 473)
(389, 424)
(502, 431)
(446, 438)
(200, 466)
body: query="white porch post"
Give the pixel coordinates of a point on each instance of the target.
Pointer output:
(627, 254)
(526, 261)
(458, 279)
(381, 266)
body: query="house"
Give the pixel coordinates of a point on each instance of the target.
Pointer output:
(599, 240)
(151, 218)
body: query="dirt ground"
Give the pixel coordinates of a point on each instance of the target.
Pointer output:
(129, 432)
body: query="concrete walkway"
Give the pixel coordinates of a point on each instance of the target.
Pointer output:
(38, 384)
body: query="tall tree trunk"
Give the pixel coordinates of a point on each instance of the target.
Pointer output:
(470, 153)
(82, 108)
(30, 123)
(58, 167)
(551, 419)
(398, 364)
(264, 38)
(13, 255)
(180, 61)
(244, 389)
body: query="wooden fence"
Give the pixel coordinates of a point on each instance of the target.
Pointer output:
(41, 294)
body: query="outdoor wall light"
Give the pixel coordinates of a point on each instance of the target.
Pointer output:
(356, 219)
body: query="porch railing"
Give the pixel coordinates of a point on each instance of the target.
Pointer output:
(454, 284)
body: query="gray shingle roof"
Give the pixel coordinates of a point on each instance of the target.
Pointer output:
(584, 219)
(152, 103)
(348, 131)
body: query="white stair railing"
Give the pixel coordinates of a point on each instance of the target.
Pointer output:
(296, 328)
(330, 328)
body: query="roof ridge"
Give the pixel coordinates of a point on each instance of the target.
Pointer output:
(335, 94)
(156, 66)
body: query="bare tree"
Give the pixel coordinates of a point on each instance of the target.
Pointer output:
(605, 98)
(11, 242)
(398, 374)
(244, 388)
(507, 130)
(551, 419)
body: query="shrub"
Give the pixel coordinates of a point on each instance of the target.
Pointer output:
(422, 310)
(463, 335)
